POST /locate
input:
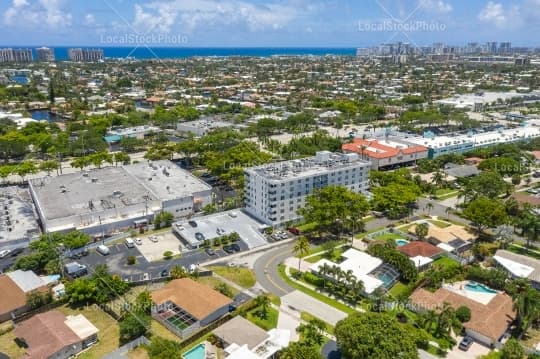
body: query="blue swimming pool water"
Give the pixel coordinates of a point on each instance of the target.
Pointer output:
(199, 352)
(401, 242)
(477, 287)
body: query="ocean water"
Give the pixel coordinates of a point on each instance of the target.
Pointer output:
(184, 52)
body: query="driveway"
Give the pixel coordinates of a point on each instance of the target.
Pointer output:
(304, 303)
(476, 350)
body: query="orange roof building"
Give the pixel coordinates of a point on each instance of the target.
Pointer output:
(386, 153)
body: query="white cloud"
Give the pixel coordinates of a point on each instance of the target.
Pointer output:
(188, 15)
(436, 6)
(27, 13)
(502, 17)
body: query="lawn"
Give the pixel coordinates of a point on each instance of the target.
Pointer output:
(214, 281)
(159, 330)
(332, 255)
(446, 193)
(445, 262)
(399, 289)
(439, 224)
(8, 345)
(523, 251)
(267, 323)
(108, 336)
(244, 277)
(138, 353)
(323, 298)
(388, 236)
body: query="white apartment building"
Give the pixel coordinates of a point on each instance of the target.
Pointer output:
(275, 192)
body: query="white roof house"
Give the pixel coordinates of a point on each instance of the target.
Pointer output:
(360, 263)
(81, 326)
(26, 280)
(277, 340)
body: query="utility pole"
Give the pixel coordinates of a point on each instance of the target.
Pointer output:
(102, 232)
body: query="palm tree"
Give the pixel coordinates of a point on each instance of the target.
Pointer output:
(439, 178)
(448, 210)
(529, 224)
(445, 320)
(427, 319)
(178, 272)
(300, 249)
(263, 303)
(429, 207)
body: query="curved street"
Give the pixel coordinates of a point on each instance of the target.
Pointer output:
(266, 270)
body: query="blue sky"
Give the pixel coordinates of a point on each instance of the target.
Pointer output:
(239, 23)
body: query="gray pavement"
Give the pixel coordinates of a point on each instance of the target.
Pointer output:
(266, 270)
(302, 302)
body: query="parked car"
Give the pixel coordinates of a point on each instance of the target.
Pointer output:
(199, 236)
(235, 247)
(220, 231)
(165, 273)
(84, 252)
(153, 238)
(294, 231)
(16, 252)
(210, 251)
(146, 276)
(228, 249)
(465, 343)
(192, 224)
(104, 250)
(138, 241)
(4, 253)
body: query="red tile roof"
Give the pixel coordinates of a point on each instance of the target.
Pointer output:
(381, 150)
(12, 296)
(489, 320)
(419, 248)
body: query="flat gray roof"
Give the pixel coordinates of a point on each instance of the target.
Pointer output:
(17, 217)
(26, 280)
(166, 180)
(242, 332)
(83, 192)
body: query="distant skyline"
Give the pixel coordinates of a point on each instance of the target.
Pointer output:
(255, 23)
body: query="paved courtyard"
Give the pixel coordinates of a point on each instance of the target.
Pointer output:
(153, 251)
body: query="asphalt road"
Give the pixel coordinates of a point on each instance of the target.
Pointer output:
(266, 270)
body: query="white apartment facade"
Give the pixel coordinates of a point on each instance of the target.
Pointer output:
(275, 192)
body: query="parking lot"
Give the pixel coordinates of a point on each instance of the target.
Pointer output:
(153, 247)
(215, 225)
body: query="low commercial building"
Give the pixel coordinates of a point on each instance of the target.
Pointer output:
(440, 145)
(275, 192)
(15, 288)
(519, 266)
(388, 153)
(18, 219)
(184, 306)
(107, 200)
(202, 126)
(53, 335)
(138, 132)
(490, 319)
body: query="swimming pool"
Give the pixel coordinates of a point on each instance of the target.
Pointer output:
(401, 242)
(199, 352)
(480, 288)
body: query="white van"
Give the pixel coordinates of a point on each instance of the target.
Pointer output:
(103, 250)
(130, 243)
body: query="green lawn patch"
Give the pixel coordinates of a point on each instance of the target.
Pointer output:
(244, 277)
(388, 236)
(446, 193)
(8, 345)
(445, 262)
(439, 224)
(307, 227)
(267, 323)
(213, 282)
(332, 255)
(399, 289)
(323, 298)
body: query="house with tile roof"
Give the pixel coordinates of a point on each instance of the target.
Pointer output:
(184, 306)
(422, 254)
(16, 286)
(53, 335)
(386, 153)
(489, 320)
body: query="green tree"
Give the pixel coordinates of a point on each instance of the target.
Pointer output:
(263, 303)
(463, 314)
(224, 289)
(485, 213)
(333, 207)
(122, 158)
(178, 272)
(161, 348)
(297, 350)
(133, 325)
(421, 230)
(529, 223)
(512, 350)
(49, 166)
(301, 248)
(312, 332)
(374, 336)
(81, 291)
